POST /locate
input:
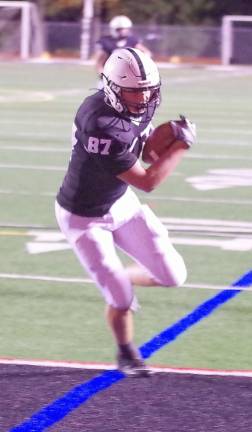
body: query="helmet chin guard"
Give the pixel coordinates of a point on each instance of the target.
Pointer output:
(132, 70)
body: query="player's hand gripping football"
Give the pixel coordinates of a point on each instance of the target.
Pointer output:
(184, 130)
(164, 136)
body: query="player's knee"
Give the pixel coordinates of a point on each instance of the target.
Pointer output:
(125, 304)
(180, 276)
(175, 277)
(118, 291)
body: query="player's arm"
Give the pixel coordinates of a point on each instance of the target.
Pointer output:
(184, 136)
(148, 179)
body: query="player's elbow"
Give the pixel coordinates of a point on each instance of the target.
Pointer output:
(144, 182)
(148, 186)
(151, 181)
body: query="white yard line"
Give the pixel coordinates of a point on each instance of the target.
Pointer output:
(180, 224)
(216, 156)
(67, 150)
(35, 134)
(44, 149)
(68, 280)
(220, 130)
(110, 366)
(41, 115)
(39, 122)
(45, 278)
(228, 142)
(202, 131)
(143, 197)
(195, 200)
(25, 192)
(203, 121)
(33, 167)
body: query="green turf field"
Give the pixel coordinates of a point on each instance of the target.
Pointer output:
(206, 204)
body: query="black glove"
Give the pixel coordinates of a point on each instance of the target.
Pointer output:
(184, 130)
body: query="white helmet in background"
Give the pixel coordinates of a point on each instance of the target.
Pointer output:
(131, 69)
(120, 26)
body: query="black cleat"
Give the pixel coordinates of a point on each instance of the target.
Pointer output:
(133, 367)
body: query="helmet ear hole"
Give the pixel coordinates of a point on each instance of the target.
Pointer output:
(112, 92)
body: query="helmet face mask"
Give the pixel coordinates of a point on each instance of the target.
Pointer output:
(128, 71)
(121, 33)
(141, 103)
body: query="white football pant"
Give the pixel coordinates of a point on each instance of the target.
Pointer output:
(135, 229)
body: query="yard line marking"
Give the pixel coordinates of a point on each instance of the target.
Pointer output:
(199, 200)
(227, 143)
(25, 192)
(45, 167)
(143, 197)
(109, 366)
(206, 222)
(41, 115)
(44, 149)
(17, 95)
(228, 131)
(34, 167)
(202, 119)
(36, 135)
(244, 138)
(212, 118)
(13, 233)
(216, 157)
(77, 280)
(60, 408)
(225, 235)
(47, 149)
(44, 278)
(173, 223)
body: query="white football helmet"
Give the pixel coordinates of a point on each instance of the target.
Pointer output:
(118, 24)
(130, 69)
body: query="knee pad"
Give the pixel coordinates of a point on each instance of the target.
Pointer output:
(133, 305)
(174, 276)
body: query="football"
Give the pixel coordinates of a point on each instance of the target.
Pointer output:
(158, 141)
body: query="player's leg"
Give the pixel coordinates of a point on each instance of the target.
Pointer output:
(146, 239)
(121, 324)
(138, 275)
(129, 358)
(94, 247)
(97, 254)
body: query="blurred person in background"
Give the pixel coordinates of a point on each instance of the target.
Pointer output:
(121, 36)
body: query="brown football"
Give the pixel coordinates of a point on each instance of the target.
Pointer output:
(158, 141)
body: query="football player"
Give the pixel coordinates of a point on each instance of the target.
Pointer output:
(97, 209)
(120, 36)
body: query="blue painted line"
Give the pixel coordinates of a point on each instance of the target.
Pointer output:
(63, 406)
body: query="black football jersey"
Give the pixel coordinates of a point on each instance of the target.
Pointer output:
(109, 43)
(105, 144)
